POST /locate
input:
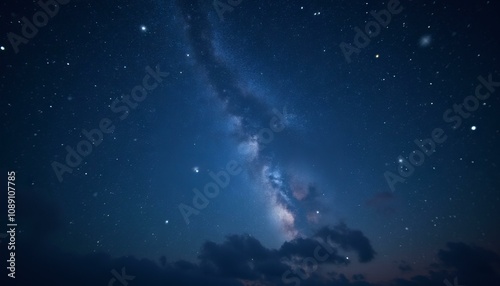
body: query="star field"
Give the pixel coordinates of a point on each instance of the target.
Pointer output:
(252, 143)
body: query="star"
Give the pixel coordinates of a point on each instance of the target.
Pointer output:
(196, 169)
(473, 128)
(166, 222)
(425, 41)
(143, 28)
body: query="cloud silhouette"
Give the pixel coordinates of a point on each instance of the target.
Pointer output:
(238, 260)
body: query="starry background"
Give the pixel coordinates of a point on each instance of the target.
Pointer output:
(225, 76)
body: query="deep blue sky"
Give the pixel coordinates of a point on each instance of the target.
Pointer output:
(265, 88)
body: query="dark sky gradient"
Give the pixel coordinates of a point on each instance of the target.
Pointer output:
(288, 141)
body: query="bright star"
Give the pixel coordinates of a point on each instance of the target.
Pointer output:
(425, 41)
(143, 28)
(196, 169)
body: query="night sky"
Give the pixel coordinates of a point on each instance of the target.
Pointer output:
(236, 142)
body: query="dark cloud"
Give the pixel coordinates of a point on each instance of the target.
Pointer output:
(238, 260)
(358, 277)
(349, 240)
(404, 266)
(305, 247)
(476, 265)
(233, 257)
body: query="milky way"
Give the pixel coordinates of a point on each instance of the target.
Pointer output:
(259, 155)
(251, 115)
